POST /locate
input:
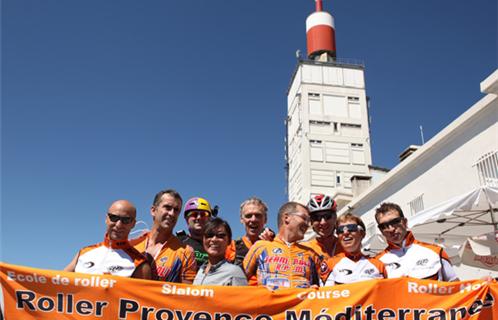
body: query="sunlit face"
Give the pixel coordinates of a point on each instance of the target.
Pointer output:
(215, 243)
(120, 220)
(298, 223)
(323, 223)
(253, 218)
(166, 213)
(393, 227)
(196, 221)
(350, 235)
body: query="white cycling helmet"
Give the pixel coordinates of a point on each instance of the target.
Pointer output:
(322, 202)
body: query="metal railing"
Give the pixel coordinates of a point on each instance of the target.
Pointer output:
(487, 169)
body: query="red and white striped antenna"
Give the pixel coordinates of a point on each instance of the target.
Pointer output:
(320, 33)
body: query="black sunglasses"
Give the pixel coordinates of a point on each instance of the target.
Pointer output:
(350, 227)
(116, 218)
(219, 235)
(391, 223)
(319, 217)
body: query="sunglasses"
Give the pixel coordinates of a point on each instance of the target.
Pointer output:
(198, 214)
(116, 218)
(219, 235)
(350, 227)
(391, 223)
(319, 217)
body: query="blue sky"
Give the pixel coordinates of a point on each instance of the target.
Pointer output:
(104, 100)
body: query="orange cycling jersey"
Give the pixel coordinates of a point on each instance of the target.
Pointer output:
(280, 264)
(237, 251)
(175, 262)
(318, 247)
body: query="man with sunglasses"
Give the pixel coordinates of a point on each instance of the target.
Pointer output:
(406, 256)
(115, 256)
(197, 213)
(351, 265)
(172, 260)
(283, 262)
(323, 219)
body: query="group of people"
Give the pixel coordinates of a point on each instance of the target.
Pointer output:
(207, 254)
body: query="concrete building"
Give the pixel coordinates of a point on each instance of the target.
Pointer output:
(462, 157)
(328, 139)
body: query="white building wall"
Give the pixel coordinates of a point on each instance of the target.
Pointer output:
(327, 114)
(442, 168)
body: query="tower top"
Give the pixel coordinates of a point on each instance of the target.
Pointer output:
(320, 34)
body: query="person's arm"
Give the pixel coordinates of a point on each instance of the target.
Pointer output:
(448, 273)
(143, 271)
(250, 261)
(189, 266)
(72, 265)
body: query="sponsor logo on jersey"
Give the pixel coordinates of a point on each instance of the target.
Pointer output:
(346, 271)
(114, 269)
(277, 251)
(422, 262)
(323, 267)
(393, 265)
(88, 264)
(369, 271)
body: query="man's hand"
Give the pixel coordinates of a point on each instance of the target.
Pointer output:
(267, 235)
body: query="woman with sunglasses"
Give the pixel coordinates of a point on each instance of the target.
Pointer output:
(352, 265)
(217, 270)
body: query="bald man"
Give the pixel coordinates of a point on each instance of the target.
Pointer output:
(114, 255)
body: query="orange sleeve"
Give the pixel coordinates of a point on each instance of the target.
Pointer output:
(379, 265)
(230, 252)
(250, 263)
(189, 268)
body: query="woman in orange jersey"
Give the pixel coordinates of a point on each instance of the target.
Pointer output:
(351, 265)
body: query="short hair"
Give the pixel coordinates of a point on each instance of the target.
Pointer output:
(171, 192)
(350, 216)
(288, 207)
(255, 201)
(215, 223)
(386, 207)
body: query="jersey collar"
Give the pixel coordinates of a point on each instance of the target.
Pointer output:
(408, 241)
(115, 244)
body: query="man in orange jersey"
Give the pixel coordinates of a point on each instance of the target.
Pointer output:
(172, 260)
(253, 215)
(283, 262)
(406, 256)
(323, 218)
(115, 255)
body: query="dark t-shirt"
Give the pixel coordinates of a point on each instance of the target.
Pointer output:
(201, 255)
